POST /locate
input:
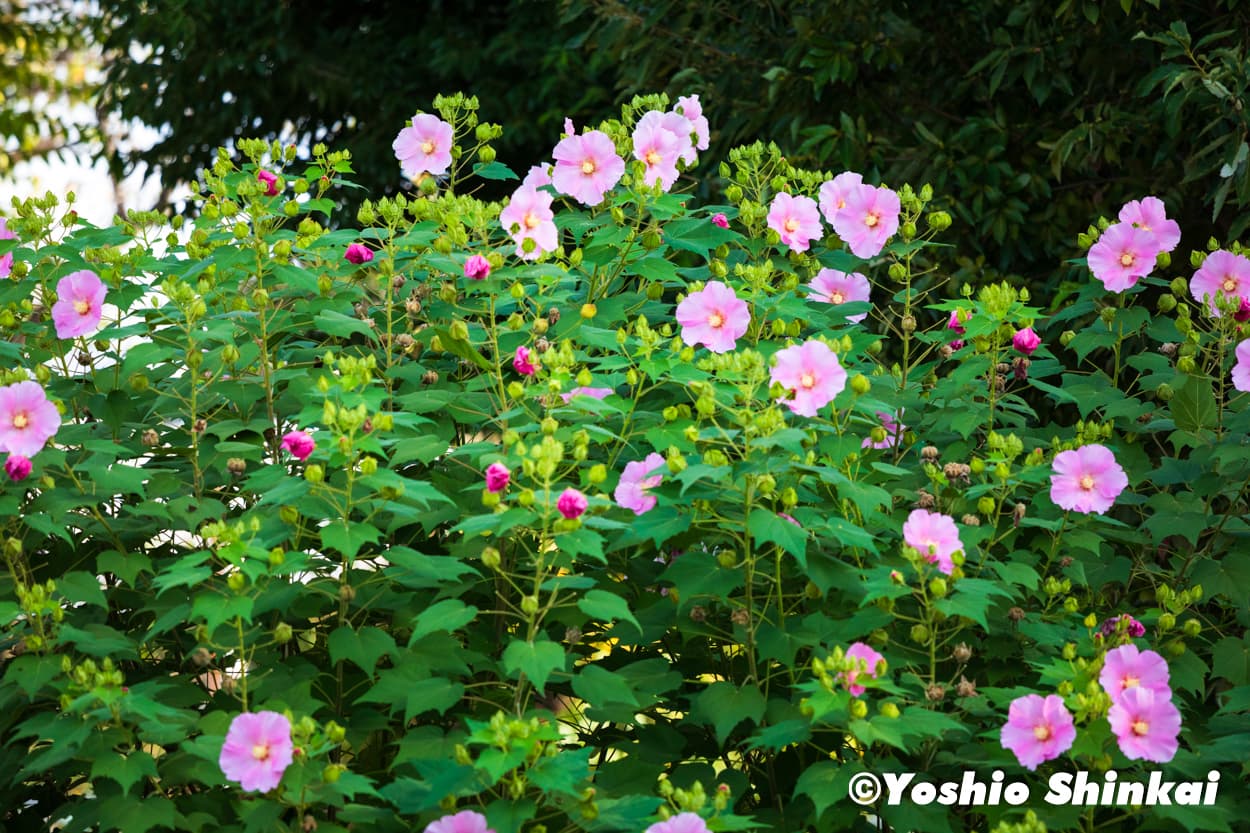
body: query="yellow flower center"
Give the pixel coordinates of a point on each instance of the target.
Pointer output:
(20, 421)
(426, 147)
(1042, 733)
(1140, 727)
(841, 203)
(872, 219)
(530, 221)
(715, 320)
(1230, 284)
(836, 297)
(588, 167)
(1126, 259)
(653, 158)
(807, 380)
(1129, 682)
(1087, 482)
(82, 307)
(792, 225)
(261, 751)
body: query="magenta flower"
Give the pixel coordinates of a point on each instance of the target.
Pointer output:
(587, 167)
(466, 821)
(582, 390)
(27, 419)
(1122, 255)
(497, 477)
(934, 536)
(833, 194)
(476, 268)
(795, 219)
(79, 304)
(6, 259)
(690, 107)
(812, 374)
(680, 823)
(834, 287)
(1146, 724)
(1241, 370)
(521, 362)
(868, 219)
(425, 147)
(1110, 626)
(17, 467)
(714, 317)
(1037, 729)
(720, 220)
(1221, 274)
(658, 149)
(257, 750)
(270, 180)
(1026, 341)
(529, 217)
(638, 477)
(1086, 480)
(1149, 214)
(867, 662)
(1127, 668)
(571, 503)
(955, 323)
(299, 444)
(538, 176)
(358, 253)
(893, 430)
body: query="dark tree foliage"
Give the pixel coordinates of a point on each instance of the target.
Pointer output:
(1031, 117)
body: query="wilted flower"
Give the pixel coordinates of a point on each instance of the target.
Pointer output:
(834, 287)
(425, 147)
(358, 253)
(497, 477)
(637, 478)
(27, 419)
(17, 467)
(587, 167)
(299, 444)
(571, 503)
(521, 362)
(795, 219)
(529, 217)
(1134, 628)
(934, 536)
(79, 304)
(812, 374)
(1146, 724)
(271, 182)
(1026, 341)
(476, 268)
(257, 750)
(714, 317)
(1086, 480)
(1038, 729)
(868, 219)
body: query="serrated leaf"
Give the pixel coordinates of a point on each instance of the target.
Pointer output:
(605, 606)
(448, 615)
(537, 660)
(767, 527)
(725, 705)
(362, 647)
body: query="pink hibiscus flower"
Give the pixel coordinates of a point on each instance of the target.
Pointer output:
(1146, 725)
(582, 390)
(358, 253)
(1222, 274)
(1086, 480)
(27, 419)
(720, 220)
(466, 821)
(1127, 668)
(1149, 214)
(658, 149)
(690, 107)
(714, 317)
(1037, 729)
(955, 323)
(676, 124)
(795, 219)
(79, 304)
(497, 477)
(425, 147)
(476, 268)
(538, 176)
(6, 259)
(529, 217)
(1122, 255)
(862, 653)
(571, 503)
(587, 167)
(17, 467)
(1241, 370)
(271, 182)
(299, 444)
(833, 194)
(637, 478)
(934, 536)
(868, 219)
(812, 374)
(1026, 341)
(257, 750)
(680, 823)
(893, 431)
(834, 287)
(521, 362)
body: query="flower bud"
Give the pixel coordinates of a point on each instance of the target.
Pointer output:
(890, 710)
(282, 633)
(529, 605)
(588, 311)
(897, 272)
(919, 634)
(858, 709)
(314, 474)
(860, 384)
(1186, 364)
(236, 582)
(1065, 338)
(939, 221)
(938, 588)
(491, 558)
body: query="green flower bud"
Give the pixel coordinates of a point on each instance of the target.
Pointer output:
(1192, 627)
(282, 633)
(588, 311)
(1065, 338)
(977, 465)
(858, 709)
(1186, 364)
(919, 634)
(1164, 392)
(368, 466)
(491, 558)
(1167, 303)
(726, 559)
(314, 474)
(889, 710)
(516, 390)
(236, 582)
(486, 153)
(332, 773)
(897, 272)
(860, 384)
(525, 497)
(938, 588)
(939, 221)
(458, 330)
(1167, 622)
(529, 605)
(734, 194)
(288, 514)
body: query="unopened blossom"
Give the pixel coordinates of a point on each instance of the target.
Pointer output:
(571, 503)
(1134, 627)
(1222, 275)
(795, 219)
(497, 477)
(720, 220)
(299, 444)
(632, 491)
(358, 253)
(690, 107)
(17, 467)
(587, 167)
(425, 147)
(79, 304)
(680, 823)
(1150, 215)
(1026, 341)
(834, 287)
(6, 259)
(1122, 256)
(1087, 479)
(521, 362)
(466, 821)
(1146, 724)
(834, 192)
(714, 317)
(954, 323)
(860, 652)
(659, 150)
(811, 373)
(476, 268)
(893, 430)
(270, 180)
(1126, 668)
(1037, 729)
(934, 536)
(257, 750)
(868, 219)
(1241, 370)
(27, 419)
(529, 217)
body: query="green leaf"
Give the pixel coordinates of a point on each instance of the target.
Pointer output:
(825, 784)
(1193, 405)
(767, 527)
(410, 686)
(80, 586)
(448, 615)
(536, 659)
(494, 170)
(605, 606)
(1231, 659)
(124, 769)
(724, 705)
(362, 647)
(598, 687)
(342, 326)
(348, 538)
